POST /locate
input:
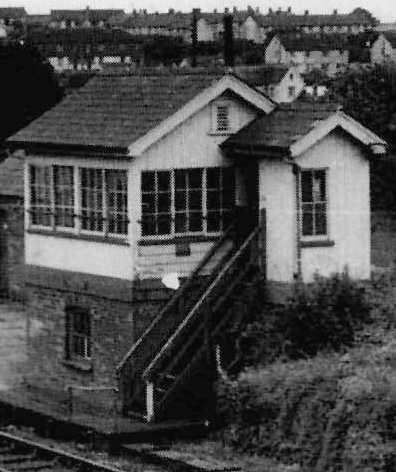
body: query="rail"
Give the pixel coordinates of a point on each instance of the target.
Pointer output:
(203, 300)
(131, 367)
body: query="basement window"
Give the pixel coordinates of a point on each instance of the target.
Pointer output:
(78, 334)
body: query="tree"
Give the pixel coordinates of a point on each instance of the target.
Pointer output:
(28, 87)
(369, 96)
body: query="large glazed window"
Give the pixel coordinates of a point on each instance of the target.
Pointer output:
(88, 200)
(313, 193)
(40, 196)
(187, 201)
(64, 196)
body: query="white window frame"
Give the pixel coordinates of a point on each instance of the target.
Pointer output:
(315, 237)
(77, 227)
(204, 207)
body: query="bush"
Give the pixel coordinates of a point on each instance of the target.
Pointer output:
(332, 413)
(324, 315)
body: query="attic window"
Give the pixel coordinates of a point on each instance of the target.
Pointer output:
(223, 118)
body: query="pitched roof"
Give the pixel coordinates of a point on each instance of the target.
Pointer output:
(314, 42)
(258, 76)
(12, 12)
(391, 37)
(86, 14)
(171, 20)
(114, 111)
(283, 127)
(11, 176)
(359, 16)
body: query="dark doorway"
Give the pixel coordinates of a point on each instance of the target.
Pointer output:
(247, 215)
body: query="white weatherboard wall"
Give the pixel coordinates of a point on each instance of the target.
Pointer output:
(349, 209)
(348, 212)
(190, 145)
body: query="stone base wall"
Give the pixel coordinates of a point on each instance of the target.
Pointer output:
(13, 261)
(120, 312)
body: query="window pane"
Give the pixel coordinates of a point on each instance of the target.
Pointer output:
(319, 186)
(40, 195)
(180, 200)
(181, 222)
(213, 178)
(163, 180)
(307, 219)
(164, 224)
(320, 218)
(306, 186)
(195, 221)
(64, 196)
(148, 181)
(78, 326)
(195, 199)
(180, 179)
(164, 203)
(213, 221)
(92, 199)
(148, 225)
(213, 200)
(195, 178)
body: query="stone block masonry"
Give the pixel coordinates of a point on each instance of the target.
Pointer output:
(120, 311)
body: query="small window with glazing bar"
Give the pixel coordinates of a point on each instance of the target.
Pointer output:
(222, 118)
(313, 195)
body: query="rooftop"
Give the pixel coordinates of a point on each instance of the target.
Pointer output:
(283, 127)
(314, 42)
(112, 111)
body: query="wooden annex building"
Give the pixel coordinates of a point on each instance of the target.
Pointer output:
(136, 179)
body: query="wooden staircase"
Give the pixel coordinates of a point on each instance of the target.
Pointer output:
(169, 371)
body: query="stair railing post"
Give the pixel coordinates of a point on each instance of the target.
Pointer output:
(150, 401)
(262, 242)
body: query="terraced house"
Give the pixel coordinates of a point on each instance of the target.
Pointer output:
(132, 185)
(329, 53)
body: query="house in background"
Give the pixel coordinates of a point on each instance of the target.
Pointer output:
(84, 48)
(97, 18)
(307, 52)
(281, 83)
(133, 180)
(384, 48)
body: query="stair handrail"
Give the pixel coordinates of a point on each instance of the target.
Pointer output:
(176, 296)
(171, 340)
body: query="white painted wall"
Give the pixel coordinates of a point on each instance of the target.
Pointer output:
(190, 145)
(348, 212)
(79, 255)
(292, 78)
(382, 51)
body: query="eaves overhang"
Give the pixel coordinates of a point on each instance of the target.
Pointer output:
(256, 151)
(78, 150)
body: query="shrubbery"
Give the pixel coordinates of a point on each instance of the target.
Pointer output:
(333, 412)
(319, 386)
(324, 315)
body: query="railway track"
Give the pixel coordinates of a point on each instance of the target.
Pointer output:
(21, 455)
